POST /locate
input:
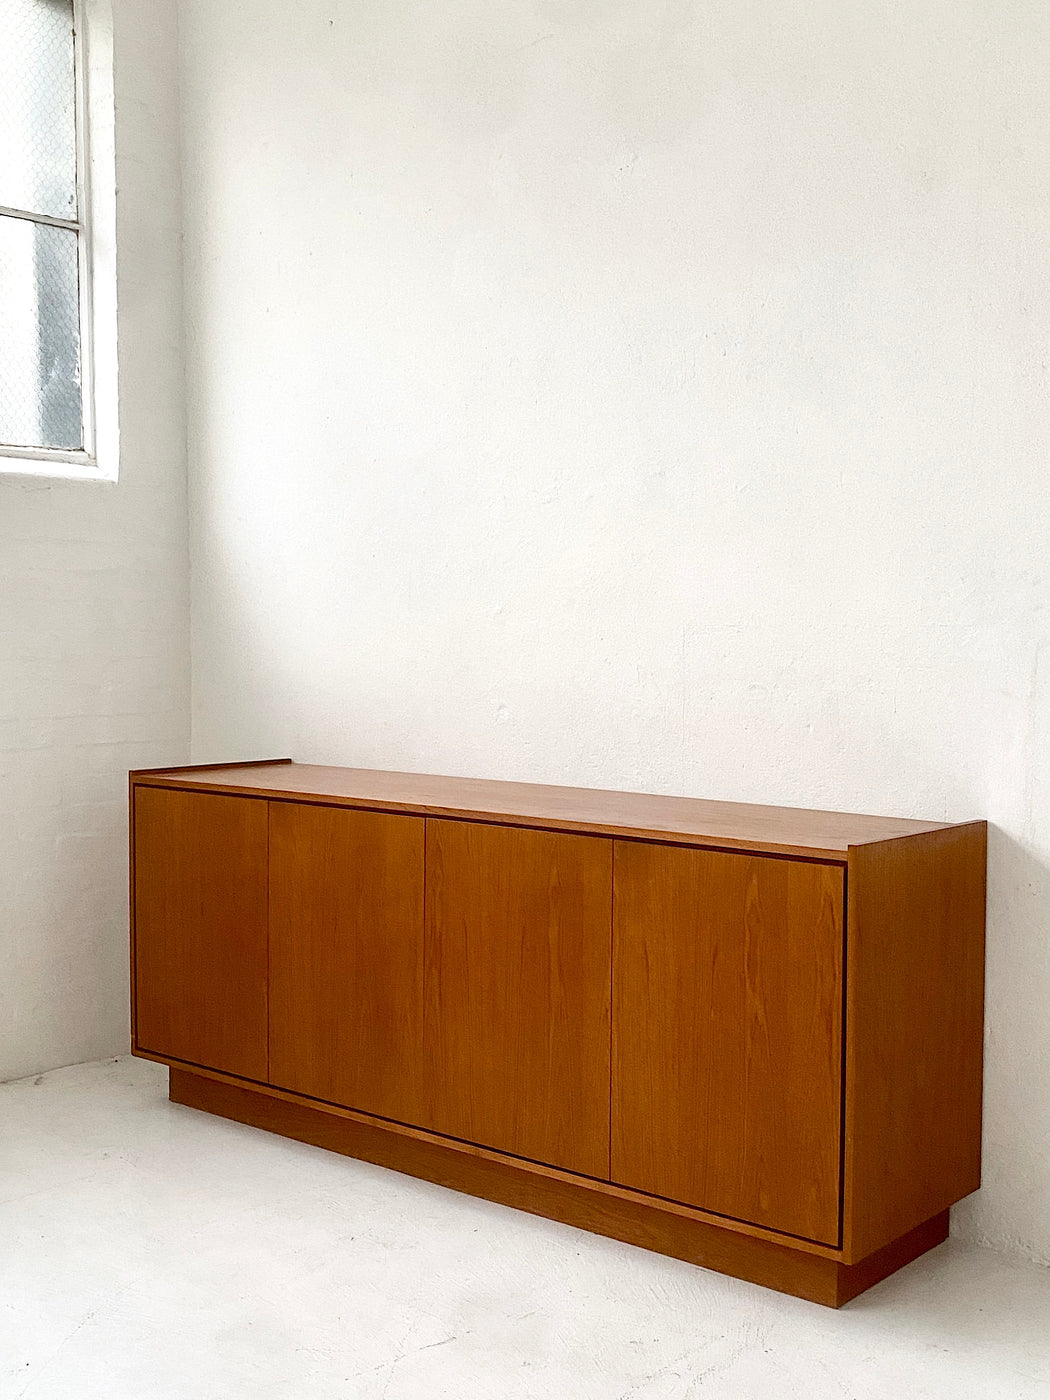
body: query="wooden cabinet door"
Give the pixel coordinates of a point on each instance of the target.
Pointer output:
(346, 956)
(200, 929)
(727, 1034)
(517, 1017)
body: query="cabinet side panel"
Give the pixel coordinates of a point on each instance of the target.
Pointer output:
(517, 991)
(200, 929)
(727, 1012)
(346, 956)
(914, 1031)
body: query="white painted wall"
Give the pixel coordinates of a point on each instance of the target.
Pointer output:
(94, 620)
(646, 395)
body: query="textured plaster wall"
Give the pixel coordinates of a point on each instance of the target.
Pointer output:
(94, 620)
(648, 395)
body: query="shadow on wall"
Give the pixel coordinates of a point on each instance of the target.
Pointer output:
(1017, 1056)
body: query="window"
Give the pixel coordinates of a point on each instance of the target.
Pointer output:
(49, 387)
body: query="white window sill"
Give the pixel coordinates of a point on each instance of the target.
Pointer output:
(58, 466)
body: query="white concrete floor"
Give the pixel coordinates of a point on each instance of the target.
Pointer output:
(149, 1252)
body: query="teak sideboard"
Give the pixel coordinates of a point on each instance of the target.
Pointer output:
(749, 1037)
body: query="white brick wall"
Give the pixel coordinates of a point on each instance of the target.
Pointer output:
(94, 611)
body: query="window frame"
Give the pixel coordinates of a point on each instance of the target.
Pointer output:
(96, 266)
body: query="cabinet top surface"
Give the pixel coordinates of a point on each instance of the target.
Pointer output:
(689, 820)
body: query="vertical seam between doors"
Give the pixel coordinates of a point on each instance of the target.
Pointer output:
(612, 989)
(268, 973)
(842, 1059)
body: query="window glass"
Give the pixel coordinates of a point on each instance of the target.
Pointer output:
(39, 336)
(41, 260)
(38, 149)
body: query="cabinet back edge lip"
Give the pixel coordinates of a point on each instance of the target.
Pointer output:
(138, 775)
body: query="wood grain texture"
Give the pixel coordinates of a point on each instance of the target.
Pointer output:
(472, 1149)
(346, 956)
(731, 825)
(463, 990)
(200, 928)
(580, 1203)
(517, 991)
(727, 1048)
(915, 1004)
